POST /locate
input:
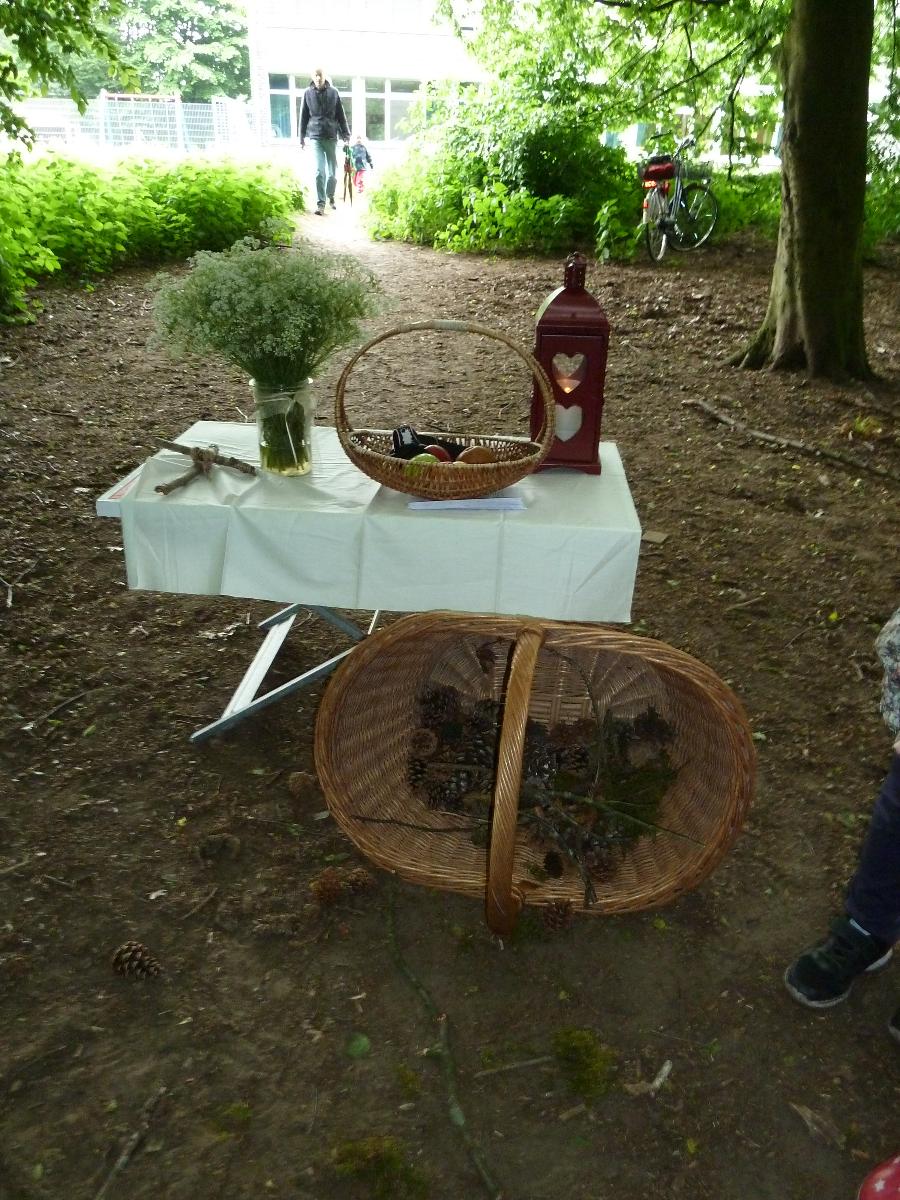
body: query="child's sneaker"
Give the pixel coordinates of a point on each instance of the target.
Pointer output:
(883, 1183)
(823, 975)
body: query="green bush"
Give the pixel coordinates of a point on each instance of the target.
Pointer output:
(22, 256)
(417, 201)
(57, 214)
(540, 194)
(498, 221)
(748, 202)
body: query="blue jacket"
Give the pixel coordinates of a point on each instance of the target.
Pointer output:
(322, 114)
(360, 156)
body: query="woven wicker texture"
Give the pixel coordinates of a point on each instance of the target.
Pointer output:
(370, 711)
(370, 449)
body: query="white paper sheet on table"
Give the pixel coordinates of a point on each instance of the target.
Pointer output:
(337, 538)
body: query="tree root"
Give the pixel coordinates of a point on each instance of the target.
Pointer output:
(442, 1051)
(790, 444)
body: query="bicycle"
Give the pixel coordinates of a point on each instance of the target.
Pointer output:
(675, 212)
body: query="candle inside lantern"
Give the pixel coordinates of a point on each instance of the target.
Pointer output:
(568, 384)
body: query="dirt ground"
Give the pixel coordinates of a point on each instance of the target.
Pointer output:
(777, 571)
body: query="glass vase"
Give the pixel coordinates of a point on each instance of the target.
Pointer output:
(284, 421)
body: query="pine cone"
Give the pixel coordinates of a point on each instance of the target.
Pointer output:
(133, 958)
(438, 705)
(558, 915)
(424, 743)
(328, 886)
(359, 880)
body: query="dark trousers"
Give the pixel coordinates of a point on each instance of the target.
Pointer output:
(873, 898)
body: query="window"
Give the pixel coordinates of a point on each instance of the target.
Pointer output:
(404, 85)
(280, 115)
(278, 83)
(343, 83)
(375, 85)
(375, 118)
(400, 127)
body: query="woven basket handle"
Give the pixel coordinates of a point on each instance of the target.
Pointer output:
(547, 429)
(502, 901)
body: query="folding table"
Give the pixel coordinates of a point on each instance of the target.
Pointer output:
(557, 544)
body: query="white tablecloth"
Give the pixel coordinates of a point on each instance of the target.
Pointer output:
(335, 537)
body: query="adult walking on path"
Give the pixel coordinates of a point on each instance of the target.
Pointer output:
(322, 120)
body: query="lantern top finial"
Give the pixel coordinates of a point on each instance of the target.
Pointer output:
(576, 270)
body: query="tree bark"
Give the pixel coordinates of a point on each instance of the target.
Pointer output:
(815, 313)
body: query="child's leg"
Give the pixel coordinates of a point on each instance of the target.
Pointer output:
(873, 897)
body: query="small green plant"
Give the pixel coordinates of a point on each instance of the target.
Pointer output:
(382, 1164)
(588, 1065)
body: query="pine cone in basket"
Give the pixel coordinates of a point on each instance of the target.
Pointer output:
(439, 706)
(446, 791)
(424, 743)
(133, 958)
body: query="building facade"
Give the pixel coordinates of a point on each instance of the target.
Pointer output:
(377, 53)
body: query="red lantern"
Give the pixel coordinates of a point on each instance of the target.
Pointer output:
(572, 343)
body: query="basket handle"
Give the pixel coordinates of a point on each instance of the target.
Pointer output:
(547, 429)
(502, 901)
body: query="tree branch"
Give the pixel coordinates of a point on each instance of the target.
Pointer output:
(789, 443)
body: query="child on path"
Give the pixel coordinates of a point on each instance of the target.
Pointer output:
(359, 156)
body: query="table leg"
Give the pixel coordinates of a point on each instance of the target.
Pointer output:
(244, 700)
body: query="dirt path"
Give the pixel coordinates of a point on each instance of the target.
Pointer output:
(776, 570)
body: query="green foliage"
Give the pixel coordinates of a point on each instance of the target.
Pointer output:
(189, 47)
(23, 255)
(63, 215)
(499, 221)
(40, 40)
(505, 175)
(748, 201)
(210, 205)
(882, 223)
(588, 1065)
(382, 1164)
(276, 312)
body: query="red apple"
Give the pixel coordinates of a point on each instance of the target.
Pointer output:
(439, 452)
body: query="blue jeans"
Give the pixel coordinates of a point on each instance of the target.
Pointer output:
(326, 169)
(873, 897)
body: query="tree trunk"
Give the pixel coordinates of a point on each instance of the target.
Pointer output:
(815, 313)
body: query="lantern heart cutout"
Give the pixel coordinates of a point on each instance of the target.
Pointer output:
(568, 421)
(569, 371)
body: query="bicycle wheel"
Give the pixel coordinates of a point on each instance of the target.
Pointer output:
(654, 230)
(695, 217)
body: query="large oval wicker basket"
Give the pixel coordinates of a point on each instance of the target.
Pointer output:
(370, 449)
(550, 672)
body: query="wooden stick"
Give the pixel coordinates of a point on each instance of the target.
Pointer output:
(443, 1052)
(133, 1142)
(222, 460)
(528, 1062)
(15, 867)
(203, 903)
(181, 481)
(789, 443)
